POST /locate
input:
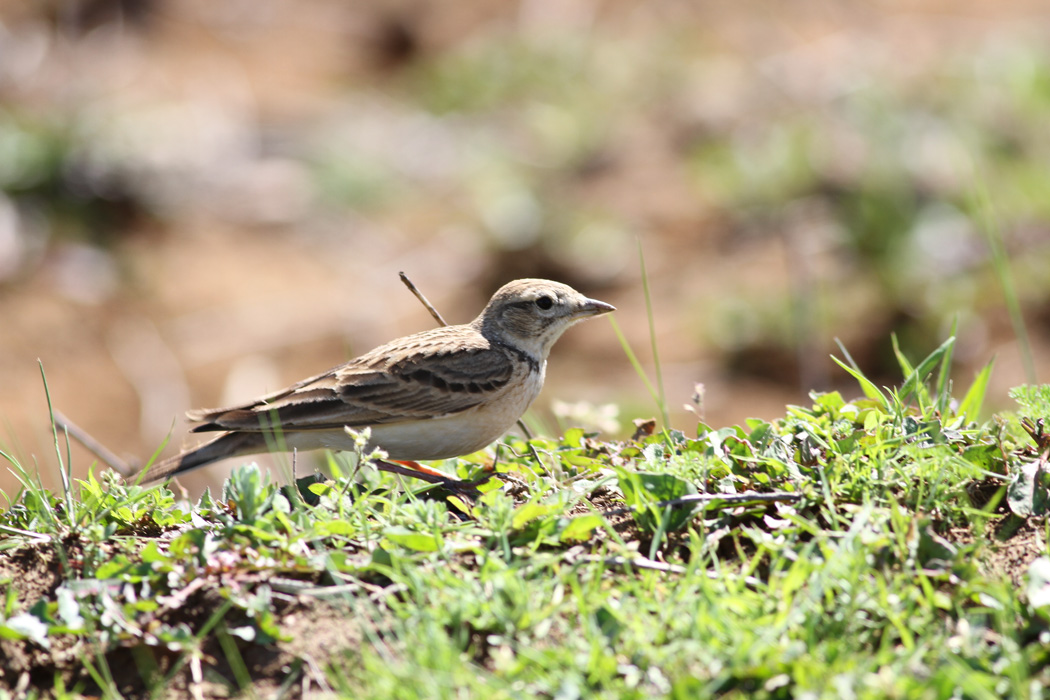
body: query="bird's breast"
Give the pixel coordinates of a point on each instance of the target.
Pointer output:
(463, 432)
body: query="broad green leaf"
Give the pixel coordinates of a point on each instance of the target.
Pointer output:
(417, 541)
(643, 491)
(527, 513)
(986, 457)
(461, 505)
(262, 534)
(831, 401)
(151, 554)
(341, 528)
(580, 527)
(1027, 495)
(573, 437)
(492, 484)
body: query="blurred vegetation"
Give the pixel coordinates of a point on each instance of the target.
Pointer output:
(553, 147)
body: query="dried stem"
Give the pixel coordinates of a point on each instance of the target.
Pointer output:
(422, 299)
(93, 446)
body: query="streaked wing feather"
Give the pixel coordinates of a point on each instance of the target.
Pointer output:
(418, 377)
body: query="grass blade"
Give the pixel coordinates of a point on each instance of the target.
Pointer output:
(916, 381)
(662, 400)
(64, 469)
(633, 359)
(993, 234)
(971, 404)
(905, 365)
(944, 382)
(867, 386)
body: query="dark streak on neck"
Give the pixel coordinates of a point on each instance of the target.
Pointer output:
(534, 364)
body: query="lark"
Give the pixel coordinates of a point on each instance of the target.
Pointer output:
(433, 395)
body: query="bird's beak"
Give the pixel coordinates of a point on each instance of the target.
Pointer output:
(593, 307)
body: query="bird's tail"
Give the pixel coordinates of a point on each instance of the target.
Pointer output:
(222, 447)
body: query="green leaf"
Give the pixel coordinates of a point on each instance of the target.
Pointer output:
(573, 437)
(642, 491)
(461, 505)
(306, 488)
(417, 541)
(340, 528)
(151, 553)
(251, 492)
(870, 390)
(580, 527)
(10, 597)
(528, 512)
(916, 381)
(1027, 496)
(832, 401)
(905, 365)
(970, 408)
(988, 458)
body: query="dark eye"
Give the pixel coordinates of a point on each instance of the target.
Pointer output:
(544, 303)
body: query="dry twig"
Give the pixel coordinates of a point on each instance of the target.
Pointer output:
(92, 445)
(422, 299)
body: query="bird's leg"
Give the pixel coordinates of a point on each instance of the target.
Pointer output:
(432, 476)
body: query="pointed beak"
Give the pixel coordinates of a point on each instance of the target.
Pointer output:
(593, 307)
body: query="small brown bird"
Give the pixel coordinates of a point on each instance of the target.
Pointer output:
(433, 395)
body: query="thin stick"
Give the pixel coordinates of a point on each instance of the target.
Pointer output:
(422, 299)
(93, 446)
(35, 536)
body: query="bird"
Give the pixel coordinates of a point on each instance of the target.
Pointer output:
(441, 393)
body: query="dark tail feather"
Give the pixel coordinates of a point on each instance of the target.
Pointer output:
(222, 447)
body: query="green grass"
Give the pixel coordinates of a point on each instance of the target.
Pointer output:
(600, 570)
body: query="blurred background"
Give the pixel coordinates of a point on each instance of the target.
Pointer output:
(201, 202)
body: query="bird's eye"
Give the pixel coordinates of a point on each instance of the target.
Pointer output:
(544, 303)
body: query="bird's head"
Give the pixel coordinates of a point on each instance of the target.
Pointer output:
(531, 314)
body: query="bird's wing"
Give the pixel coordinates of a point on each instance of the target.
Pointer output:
(427, 375)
